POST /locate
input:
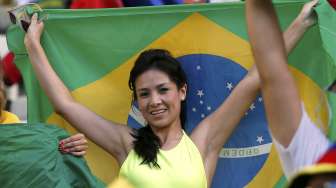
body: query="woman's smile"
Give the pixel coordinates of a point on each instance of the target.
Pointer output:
(158, 112)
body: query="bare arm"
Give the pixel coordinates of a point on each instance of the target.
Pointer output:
(211, 134)
(214, 131)
(112, 137)
(280, 94)
(247, 88)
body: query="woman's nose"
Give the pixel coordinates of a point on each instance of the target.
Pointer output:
(155, 99)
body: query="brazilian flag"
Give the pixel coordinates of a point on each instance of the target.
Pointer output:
(93, 51)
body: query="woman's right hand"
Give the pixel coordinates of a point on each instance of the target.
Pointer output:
(34, 31)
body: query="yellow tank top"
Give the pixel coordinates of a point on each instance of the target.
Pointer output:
(180, 167)
(8, 118)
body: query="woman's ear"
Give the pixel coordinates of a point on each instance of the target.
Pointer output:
(183, 92)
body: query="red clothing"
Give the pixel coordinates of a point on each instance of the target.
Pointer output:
(11, 73)
(333, 3)
(90, 4)
(194, 1)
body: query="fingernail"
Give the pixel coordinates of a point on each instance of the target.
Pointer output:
(61, 148)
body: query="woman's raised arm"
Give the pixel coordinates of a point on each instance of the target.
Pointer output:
(214, 131)
(114, 138)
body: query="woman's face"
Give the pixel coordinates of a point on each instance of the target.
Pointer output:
(158, 98)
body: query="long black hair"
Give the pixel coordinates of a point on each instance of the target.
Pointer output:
(146, 143)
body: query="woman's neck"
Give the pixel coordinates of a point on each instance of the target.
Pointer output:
(169, 136)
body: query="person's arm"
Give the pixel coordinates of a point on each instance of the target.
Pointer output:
(281, 98)
(113, 137)
(211, 134)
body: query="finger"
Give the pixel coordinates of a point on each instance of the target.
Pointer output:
(312, 3)
(75, 137)
(75, 143)
(34, 18)
(74, 149)
(77, 148)
(72, 138)
(64, 141)
(78, 136)
(80, 153)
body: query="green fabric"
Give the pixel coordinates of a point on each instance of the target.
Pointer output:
(332, 103)
(30, 158)
(281, 183)
(327, 23)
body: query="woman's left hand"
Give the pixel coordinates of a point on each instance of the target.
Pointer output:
(307, 16)
(75, 145)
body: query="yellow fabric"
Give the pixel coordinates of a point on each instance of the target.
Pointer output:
(7, 117)
(180, 167)
(120, 183)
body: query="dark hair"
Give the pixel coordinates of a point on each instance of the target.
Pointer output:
(146, 143)
(332, 86)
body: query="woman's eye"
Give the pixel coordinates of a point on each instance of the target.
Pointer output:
(163, 90)
(143, 94)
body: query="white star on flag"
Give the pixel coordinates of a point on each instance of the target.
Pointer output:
(260, 99)
(229, 85)
(201, 102)
(200, 93)
(198, 67)
(194, 109)
(252, 107)
(202, 115)
(260, 139)
(209, 108)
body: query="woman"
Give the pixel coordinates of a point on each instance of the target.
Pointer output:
(298, 140)
(160, 154)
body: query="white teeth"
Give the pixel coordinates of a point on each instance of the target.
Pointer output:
(157, 112)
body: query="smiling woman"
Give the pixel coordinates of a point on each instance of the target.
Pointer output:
(159, 87)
